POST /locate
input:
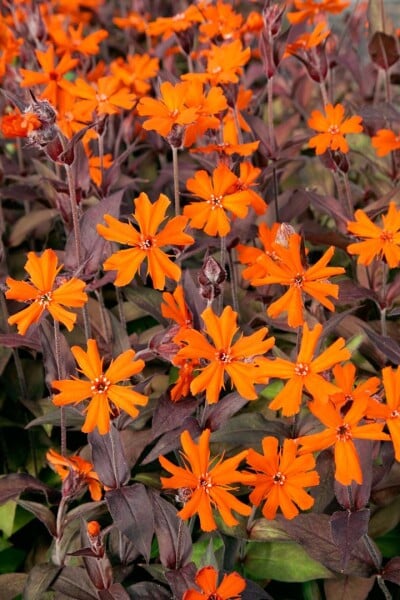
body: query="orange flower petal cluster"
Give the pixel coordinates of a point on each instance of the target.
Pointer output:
(253, 257)
(308, 40)
(220, 193)
(221, 21)
(205, 484)
(280, 478)
(332, 127)
(239, 360)
(104, 97)
(72, 40)
(231, 586)
(305, 371)
(379, 242)
(76, 473)
(106, 397)
(286, 268)
(146, 243)
(17, 124)
(389, 411)
(342, 427)
(308, 10)
(44, 293)
(385, 141)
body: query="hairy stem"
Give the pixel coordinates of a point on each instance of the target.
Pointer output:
(175, 168)
(57, 350)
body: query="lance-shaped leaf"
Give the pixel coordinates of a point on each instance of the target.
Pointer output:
(14, 484)
(148, 591)
(173, 535)
(115, 592)
(170, 440)
(75, 583)
(42, 513)
(391, 571)
(182, 579)
(383, 50)
(168, 414)
(39, 581)
(108, 458)
(129, 508)
(346, 529)
(388, 346)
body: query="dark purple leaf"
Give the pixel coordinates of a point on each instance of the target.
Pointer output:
(170, 440)
(39, 580)
(93, 244)
(129, 508)
(350, 292)
(388, 346)
(173, 535)
(323, 494)
(383, 50)
(327, 204)
(147, 299)
(167, 414)
(391, 571)
(115, 592)
(348, 587)
(15, 484)
(181, 580)
(83, 552)
(346, 529)
(14, 340)
(148, 591)
(248, 430)
(313, 532)
(75, 583)
(253, 590)
(41, 512)
(216, 415)
(66, 360)
(108, 458)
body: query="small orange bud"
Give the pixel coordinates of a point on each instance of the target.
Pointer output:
(93, 528)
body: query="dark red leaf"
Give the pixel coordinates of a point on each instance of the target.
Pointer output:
(170, 440)
(181, 580)
(217, 414)
(129, 508)
(108, 458)
(388, 346)
(383, 50)
(14, 340)
(391, 571)
(115, 592)
(346, 529)
(173, 535)
(167, 414)
(39, 581)
(74, 583)
(14, 484)
(148, 591)
(348, 587)
(43, 513)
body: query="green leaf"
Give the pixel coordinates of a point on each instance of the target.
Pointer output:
(281, 561)
(7, 516)
(209, 551)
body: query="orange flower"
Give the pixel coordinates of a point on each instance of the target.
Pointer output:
(95, 170)
(170, 111)
(105, 97)
(221, 22)
(332, 127)
(167, 26)
(76, 474)
(390, 411)
(136, 71)
(342, 428)
(304, 372)
(207, 580)
(308, 40)
(73, 39)
(287, 268)
(204, 483)
(310, 9)
(52, 74)
(239, 360)
(349, 392)
(385, 141)
(217, 198)
(45, 293)
(224, 63)
(19, 124)
(207, 106)
(106, 397)
(133, 20)
(280, 478)
(379, 242)
(175, 308)
(253, 257)
(245, 182)
(146, 243)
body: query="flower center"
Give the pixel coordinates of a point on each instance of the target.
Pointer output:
(302, 369)
(334, 129)
(100, 385)
(395, 414)
(101, 98)
(54, 76)
(279, 478)
(215, 201)
(298, 280)
(223, 356)
(205, 482)
(343, 432)
(386, 236)
(146, 242)
(44, 299)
